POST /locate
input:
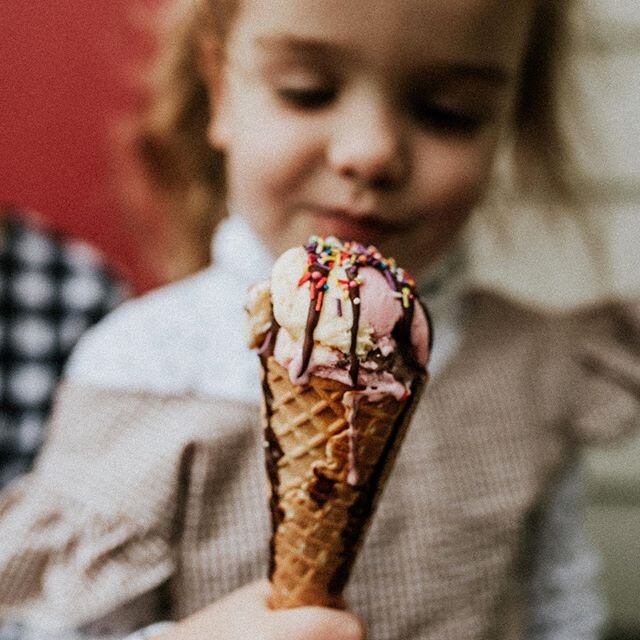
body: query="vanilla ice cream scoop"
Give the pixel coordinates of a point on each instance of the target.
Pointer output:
(343, 311)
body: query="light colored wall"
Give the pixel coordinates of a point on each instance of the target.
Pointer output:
(601, 111)
(554, 266)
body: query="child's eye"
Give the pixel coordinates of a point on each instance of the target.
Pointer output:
(448, 121)
(307, 98)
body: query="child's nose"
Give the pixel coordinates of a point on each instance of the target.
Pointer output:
(368, 146)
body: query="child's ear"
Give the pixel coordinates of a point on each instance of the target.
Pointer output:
(212, 70)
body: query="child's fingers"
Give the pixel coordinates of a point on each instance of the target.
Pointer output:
(304, 623)
(245, 614)
(316, 623)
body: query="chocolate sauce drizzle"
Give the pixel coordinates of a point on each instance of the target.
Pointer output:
(354, 297)
(313, 315)
(322, 488)
(273, 450)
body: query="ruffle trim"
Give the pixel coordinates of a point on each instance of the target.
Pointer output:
(95, 561)
(606, 399)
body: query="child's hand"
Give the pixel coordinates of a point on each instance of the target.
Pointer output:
(244, 615)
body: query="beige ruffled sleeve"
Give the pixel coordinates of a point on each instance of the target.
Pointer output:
(604, 399)
(92, 527)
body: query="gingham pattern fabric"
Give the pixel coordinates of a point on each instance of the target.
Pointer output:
(51, 290)
(170, 490)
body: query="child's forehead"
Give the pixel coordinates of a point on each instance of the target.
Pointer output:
(389, 29)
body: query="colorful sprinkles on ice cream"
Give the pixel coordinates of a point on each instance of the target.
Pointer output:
(325, 254)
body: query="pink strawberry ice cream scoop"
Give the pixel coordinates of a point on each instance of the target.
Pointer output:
(343, 311)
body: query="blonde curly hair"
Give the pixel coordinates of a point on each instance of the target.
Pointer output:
(187, 176)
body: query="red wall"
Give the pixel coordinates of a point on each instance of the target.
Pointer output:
(66, 72)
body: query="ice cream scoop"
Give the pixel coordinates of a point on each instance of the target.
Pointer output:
(345, 312)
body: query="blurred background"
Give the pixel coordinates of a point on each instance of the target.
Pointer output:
(70, 71)
(570, 265)
(575, 262)
(68, 74)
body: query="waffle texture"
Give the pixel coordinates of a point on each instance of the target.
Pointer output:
(320, 514)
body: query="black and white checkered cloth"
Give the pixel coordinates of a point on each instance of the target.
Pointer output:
(51, 290)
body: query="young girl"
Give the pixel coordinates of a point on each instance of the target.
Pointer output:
(365, 119)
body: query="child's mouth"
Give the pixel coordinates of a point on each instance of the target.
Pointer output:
(346, 224)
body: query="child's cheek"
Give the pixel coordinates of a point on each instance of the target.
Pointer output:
(283, 149)
(460, 175)
(269, 160)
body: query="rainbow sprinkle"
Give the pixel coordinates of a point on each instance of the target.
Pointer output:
(323, 254)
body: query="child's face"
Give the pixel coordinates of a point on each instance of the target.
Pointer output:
(373, 120)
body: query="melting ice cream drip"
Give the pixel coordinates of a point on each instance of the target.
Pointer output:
(350, 400)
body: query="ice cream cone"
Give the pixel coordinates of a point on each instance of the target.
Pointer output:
(320, 510)
(343, 341)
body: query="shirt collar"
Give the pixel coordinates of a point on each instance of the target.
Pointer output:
(237, 249)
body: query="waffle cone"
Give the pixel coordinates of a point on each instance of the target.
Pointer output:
(319, 511)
